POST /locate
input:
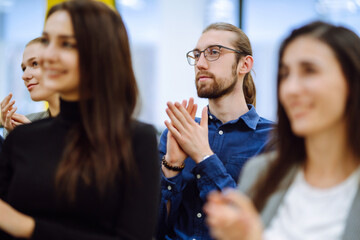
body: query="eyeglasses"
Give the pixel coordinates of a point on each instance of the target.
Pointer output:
(211, 54)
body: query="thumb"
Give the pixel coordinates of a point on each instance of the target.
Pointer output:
(204, 118)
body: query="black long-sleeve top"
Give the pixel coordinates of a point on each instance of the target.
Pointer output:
(28, 164)
(1, 142)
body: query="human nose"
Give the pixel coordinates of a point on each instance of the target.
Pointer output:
(290, 86)
(49, 53)
(202, 61)
(27, 75)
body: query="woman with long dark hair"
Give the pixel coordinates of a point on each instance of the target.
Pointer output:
(309, 187)
(91, 172)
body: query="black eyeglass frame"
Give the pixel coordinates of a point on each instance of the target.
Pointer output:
(203, 51)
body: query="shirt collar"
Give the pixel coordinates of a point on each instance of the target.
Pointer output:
(250, 118)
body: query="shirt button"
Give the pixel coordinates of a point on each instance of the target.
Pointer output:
(221, 132)
(211, 117)
(169, 188)
(198, 176)
(199, 215)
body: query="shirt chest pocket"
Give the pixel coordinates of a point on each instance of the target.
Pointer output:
(234, 165)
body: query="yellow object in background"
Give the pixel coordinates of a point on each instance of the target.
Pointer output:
(50, 3)
(46, 105)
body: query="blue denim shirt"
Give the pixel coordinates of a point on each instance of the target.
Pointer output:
(233, 144)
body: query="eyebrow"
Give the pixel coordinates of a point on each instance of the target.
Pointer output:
(211, 45)
(61, 36)
(30, 59)
(307, 63)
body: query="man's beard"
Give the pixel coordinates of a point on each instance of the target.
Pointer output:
(218, 87)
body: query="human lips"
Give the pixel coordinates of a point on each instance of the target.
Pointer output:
(203, 78)
(298, 110)
(31, 86)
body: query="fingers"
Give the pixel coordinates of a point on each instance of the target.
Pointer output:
(5, 109)
(231, 215)
(6, 100)
(183, 103)
(177, 117)
(232, 198)
(214, 200)
(190, 105)
(8, 123)
(204, 118)
(21, 119)
(193, 112)
(191, 108)
(15, 123)
(214, 196)
(174, 132)
(239, 200)
(9, 118)
(185, 115)
(221, 215)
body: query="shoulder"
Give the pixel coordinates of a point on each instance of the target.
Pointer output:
(33, 127)
(141, 128)
(254, 168)
(255, 121)
(265, 123)
(33, 132)
(144, 145)
(37, 116)
(32, 117)
(142, 132)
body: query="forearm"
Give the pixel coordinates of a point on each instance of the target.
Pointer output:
(16, 223)
(168, 173)
(173, 162)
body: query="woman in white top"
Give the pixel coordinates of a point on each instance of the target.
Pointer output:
(32, 77)
(309, 187)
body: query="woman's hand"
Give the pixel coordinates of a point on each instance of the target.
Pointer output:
(14, 222)
(7, 110)
(232, 216)
(10, 119)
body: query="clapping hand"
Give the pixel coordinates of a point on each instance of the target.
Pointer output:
(175, 156)
(9, 118)
(191, 136)
(232, 216)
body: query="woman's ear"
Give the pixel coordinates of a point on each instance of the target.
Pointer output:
(245, 65)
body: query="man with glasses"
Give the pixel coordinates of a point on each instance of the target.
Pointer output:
(198, 158)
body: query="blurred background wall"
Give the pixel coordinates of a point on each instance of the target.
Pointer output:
(162, 31)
